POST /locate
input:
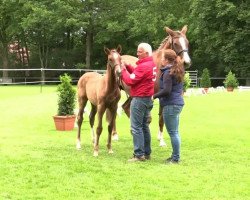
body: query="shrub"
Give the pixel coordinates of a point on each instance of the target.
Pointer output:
(187, 82)
(205, 79)
(231, 80)
(66, 96)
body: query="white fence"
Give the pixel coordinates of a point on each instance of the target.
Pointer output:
(43, 76)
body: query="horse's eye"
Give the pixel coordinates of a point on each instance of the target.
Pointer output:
(175, 45)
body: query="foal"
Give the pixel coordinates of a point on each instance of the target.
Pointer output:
(103, 93)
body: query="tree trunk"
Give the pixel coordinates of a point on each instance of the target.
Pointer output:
(88, 50)
(89, 40)
(68, 40)
(5, 60)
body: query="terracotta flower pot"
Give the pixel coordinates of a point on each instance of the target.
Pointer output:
(64, 123)
(230, 89)
(206, 90)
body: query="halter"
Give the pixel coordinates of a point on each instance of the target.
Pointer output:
(111, 64)
(169, 40)
(172, 46)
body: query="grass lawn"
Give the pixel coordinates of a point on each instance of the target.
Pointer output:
(38, 162)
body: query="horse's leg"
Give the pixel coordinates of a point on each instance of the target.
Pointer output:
(92, 121)
(82, 101)
(100, 112)
(111, 123)
(161, 125)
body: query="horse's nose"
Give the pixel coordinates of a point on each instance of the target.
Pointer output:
(118, 72)
(187, 59)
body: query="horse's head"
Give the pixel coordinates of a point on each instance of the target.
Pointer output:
(114, 59)
(177, 41)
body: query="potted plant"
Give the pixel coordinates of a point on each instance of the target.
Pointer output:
(205, 80)
(230, 82)
(65, 118)
(187, 82)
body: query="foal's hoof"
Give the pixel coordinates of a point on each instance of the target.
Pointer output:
(111, 151)
(159, 136)
(78, 146)
(115, 137)
(95, 154)
(162, 143)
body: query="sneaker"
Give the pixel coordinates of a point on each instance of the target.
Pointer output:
(137, 159)
(171, 161)
(147, 157)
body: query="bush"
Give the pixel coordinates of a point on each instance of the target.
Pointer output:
(205, 79)
(231, 80)
(66, 96)
(187, 82)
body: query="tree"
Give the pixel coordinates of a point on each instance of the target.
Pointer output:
(231, 80)
(220, 35)
(7, 21)
(205, 79)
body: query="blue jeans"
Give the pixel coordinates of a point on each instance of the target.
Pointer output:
(139, 112)
(171, 115)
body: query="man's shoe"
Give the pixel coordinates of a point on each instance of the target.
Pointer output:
(137, 159)
(147, 157)
(172, 161)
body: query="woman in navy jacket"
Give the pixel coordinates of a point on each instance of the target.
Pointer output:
(171, 99)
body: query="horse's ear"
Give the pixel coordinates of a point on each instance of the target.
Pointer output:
(184, 30)
(106, 50)
(169, 31)
(119, 48)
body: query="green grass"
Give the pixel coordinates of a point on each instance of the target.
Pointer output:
(38, 162)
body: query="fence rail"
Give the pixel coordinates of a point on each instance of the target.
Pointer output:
(51, 76)
(43, 76)
(46, 78)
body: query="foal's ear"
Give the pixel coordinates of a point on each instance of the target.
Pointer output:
(184, 29)
(169, 31)
(119, 48)
(106, 50)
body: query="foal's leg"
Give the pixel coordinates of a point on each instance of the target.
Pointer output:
(92, 120)
(161, 124)
(115, 136)
(100, 112)
(108, 117)
(111, 124)
(82, 101)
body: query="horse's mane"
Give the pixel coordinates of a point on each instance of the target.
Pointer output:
(168, 39)
(163, 43)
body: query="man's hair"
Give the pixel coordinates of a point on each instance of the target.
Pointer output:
(147, 48)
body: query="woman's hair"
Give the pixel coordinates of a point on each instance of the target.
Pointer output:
(177, 69)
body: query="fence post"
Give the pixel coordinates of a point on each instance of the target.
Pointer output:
(42, 82)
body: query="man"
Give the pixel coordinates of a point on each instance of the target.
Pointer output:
(141, 80)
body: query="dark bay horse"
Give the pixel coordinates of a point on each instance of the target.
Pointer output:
(177, 41)
(103, 93)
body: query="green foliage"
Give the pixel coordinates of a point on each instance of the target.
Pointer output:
(218, 31)
(66, 96)
(187, 82)
(205, 79)
(220, 35)
(231, 80)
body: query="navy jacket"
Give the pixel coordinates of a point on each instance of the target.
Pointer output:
(170, 90)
